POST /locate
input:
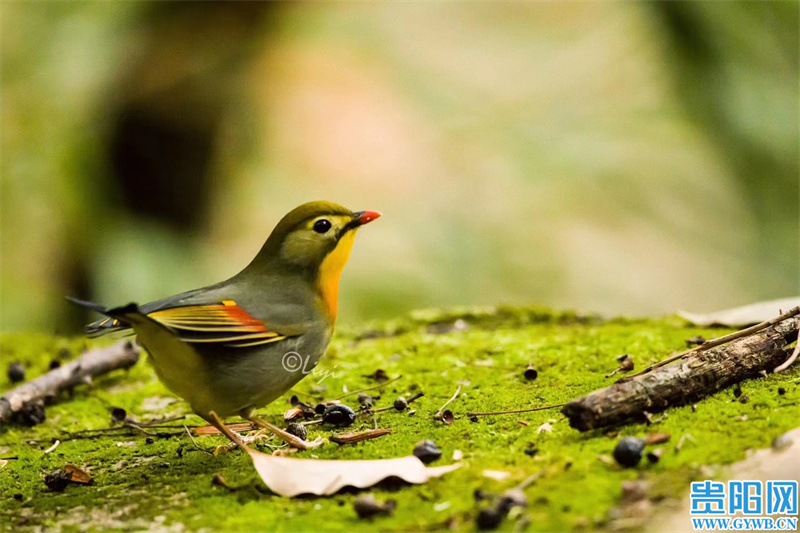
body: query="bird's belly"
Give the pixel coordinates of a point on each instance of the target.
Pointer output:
(237, 381)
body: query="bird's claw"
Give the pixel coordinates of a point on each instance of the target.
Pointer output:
(308, 445)
(258, 436)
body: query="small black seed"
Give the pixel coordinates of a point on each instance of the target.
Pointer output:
(18, 497)
(654, 456)
(628, 451)
(364, 399)
(367, 506)
(427, 452)
(379, 375)
(744, 398)
(737, 391)
(16, 372)
(488, 519)
(118, 414)
(57, 480)
(695, 341)
(625, 362)
(530, 372)
(338, 415)
(400, 404)
(511, 498)
(55, 363)
(298, 430)
(531, 451)
(473, 418)
(781, 391)
(149, 440)
(320, 408)
(31, 414)
(448, 416)
(479, 495)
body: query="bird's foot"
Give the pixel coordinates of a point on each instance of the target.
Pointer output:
(258, 436)
(292, 440)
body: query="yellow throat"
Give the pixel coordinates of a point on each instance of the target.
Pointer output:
(331, 270)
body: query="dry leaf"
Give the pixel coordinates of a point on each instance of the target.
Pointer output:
(292, 413)
(238, 427)
(742, 316)
(77, 475)
(289, 476)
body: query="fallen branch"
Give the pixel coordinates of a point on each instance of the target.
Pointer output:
(89, 365)
(721, 340)
(517, 411)
(701, 374)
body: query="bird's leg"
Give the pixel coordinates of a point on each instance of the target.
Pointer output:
(259, 435)
(293, 440)
(237, 439)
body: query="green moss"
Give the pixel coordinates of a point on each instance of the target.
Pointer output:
(139, 485)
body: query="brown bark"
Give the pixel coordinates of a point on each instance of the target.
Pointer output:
(687, 380)
(89, 365)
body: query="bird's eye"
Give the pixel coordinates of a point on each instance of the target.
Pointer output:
(322, 226)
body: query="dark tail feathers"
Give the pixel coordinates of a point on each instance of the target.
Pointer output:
(106, 325)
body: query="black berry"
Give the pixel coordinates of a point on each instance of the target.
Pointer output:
(298, 430)
(400, 404)
(427, 452)
(488, 519)
(628, 451)
(16, 372)
(338, 415)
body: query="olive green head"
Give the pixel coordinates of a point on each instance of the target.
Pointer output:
(309, 234)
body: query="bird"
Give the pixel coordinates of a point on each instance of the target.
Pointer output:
(235, 346)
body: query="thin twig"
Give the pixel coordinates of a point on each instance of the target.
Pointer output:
(786, 364)
(516, 411)
(448, 402)
(720, 340)
(438, 414)
(53, 447)
(137, 427)
(195, 442)
(530, 479)
(378, 386)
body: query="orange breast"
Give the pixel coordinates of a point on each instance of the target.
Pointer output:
(331, 270)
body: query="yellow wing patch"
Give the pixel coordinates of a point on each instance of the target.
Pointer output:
(223, 323)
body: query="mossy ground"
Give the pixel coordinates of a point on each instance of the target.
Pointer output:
(166, 483)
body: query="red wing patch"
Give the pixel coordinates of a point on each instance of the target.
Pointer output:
(223, 323)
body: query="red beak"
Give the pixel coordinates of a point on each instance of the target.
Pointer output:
(365, 217)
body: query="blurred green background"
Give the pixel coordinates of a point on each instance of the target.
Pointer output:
(619, 157)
